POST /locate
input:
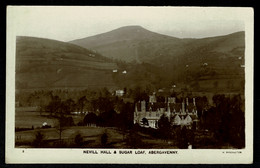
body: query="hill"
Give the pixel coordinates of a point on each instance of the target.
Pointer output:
(50, 64)
(206, 63)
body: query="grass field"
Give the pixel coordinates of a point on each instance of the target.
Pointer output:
(91, 137)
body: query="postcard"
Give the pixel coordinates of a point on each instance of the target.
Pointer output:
(135, 85)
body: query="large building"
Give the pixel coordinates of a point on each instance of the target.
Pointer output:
(184, 113)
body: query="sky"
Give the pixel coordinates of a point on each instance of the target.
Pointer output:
(70, 23)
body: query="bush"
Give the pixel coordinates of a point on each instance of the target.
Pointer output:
(78, 140)
(134, 140)
(90, 118)
(104, 138)
(66, 121)
(38, 141)
(80, 123)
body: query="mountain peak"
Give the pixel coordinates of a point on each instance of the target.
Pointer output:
(131, 27)
(131, 30)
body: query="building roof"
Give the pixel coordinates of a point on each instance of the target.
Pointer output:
(175, 106)
(193, 117)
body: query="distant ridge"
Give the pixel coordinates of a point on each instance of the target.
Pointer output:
(150, 60)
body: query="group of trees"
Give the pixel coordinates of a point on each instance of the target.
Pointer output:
(226, 119)
(180, 134)
(110, 118)
(103, 109)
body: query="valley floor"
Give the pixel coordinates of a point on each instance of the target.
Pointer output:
(28, 124)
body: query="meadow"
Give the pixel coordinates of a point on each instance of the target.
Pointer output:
(91, 138)
(26, 118)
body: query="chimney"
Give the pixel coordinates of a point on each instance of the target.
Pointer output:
(183, 108)
(194, 101)
(150, 99)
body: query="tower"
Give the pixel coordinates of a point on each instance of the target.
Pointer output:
(136, 110)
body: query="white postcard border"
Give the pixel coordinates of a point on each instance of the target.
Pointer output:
(187, 156)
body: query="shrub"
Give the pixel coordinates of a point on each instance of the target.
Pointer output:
(104, 138)
(38, 141)
(134, 140)
(90, 118)
(78, 140)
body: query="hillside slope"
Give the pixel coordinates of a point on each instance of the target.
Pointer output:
(205, 64)
(134, 43)
(49, 64)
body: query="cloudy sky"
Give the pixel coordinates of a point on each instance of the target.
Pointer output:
(69, 23)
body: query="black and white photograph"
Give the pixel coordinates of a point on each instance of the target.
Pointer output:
(129, 84)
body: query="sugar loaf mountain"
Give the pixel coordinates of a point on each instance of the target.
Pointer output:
(132, 56)
(214, 63)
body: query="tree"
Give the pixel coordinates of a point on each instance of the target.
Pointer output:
(104, 139)
(217, 99)
(227, 120)
(90, 118)
(60, 127)
(109, 118)
(125, 91)
(164, 126)
(105, 105)
(54, 106)
(201, 105)
(105, 93)
(69, 105)
(237, 126)
(134, 140)
(183, 139)
(81, 103)
(126, 116)
(160, 99)
(62, 120)
(38, 141)
(78, 140)
(140, 95)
